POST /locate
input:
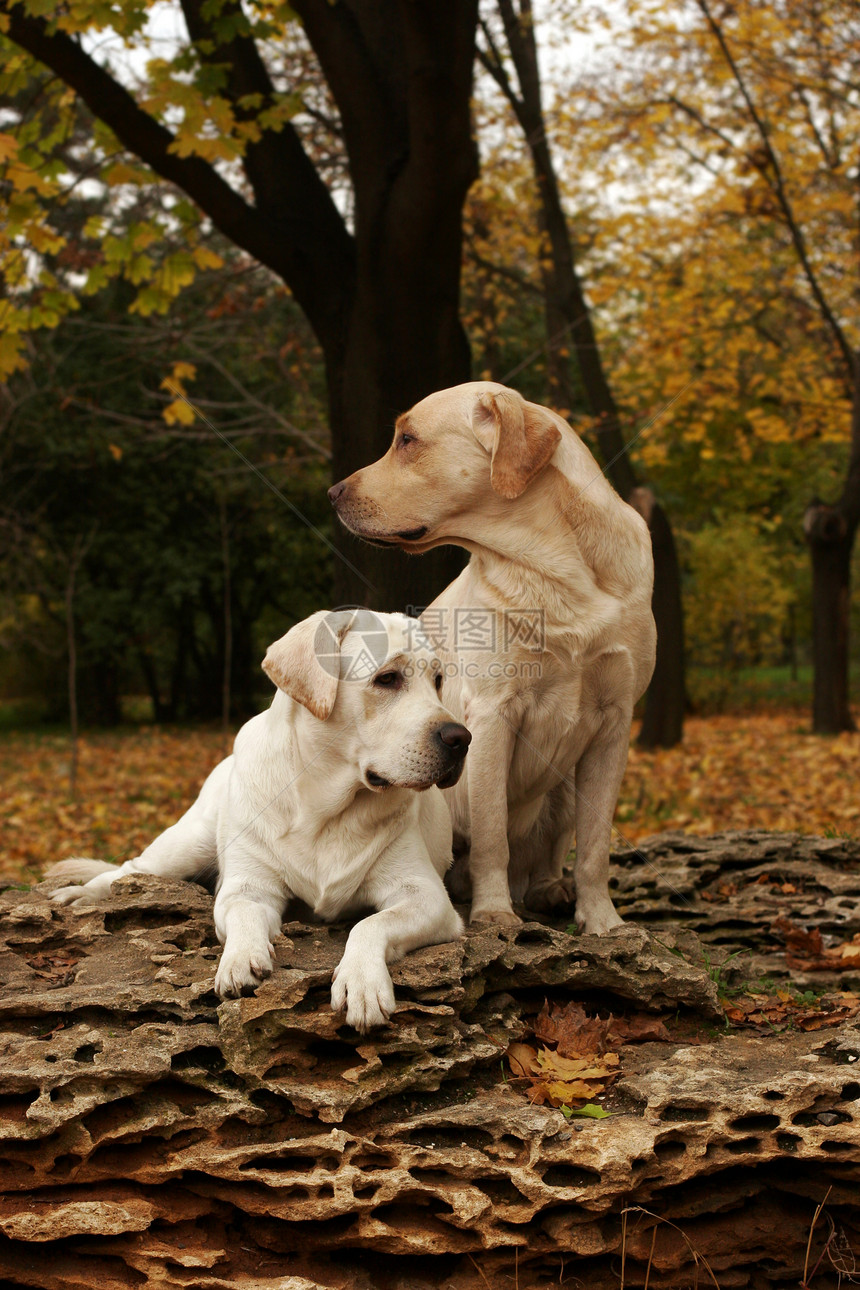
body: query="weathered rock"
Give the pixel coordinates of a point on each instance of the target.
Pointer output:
(730, 887)
(152, 1136)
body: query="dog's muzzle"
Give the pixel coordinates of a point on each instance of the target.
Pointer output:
(455, 740)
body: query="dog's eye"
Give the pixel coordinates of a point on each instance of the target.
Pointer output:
(388, 680)
(437, 680)
(405, 439)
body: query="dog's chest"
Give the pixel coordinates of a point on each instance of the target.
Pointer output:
(325, 861)
(551, 735)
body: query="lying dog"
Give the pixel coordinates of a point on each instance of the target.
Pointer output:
(323, 798)
(547, 636)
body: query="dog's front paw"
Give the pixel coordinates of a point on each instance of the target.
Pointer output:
(365, 991)
(549, 894)
(90, 893)
(494, 917)
(241, 971)
(597, 918)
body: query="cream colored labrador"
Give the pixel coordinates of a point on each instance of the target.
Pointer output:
(547, 636)
(324, 798)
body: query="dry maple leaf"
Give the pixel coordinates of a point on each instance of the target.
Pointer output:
(572, 1030)
(523, 1060)
(767, 1013)
(572, 1072)
(806, 952)
(588, 1067)
(638, 1029)
(565, 1092)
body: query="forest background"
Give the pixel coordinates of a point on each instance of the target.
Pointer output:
(237, 240)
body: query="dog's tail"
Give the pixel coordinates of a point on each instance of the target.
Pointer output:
(78, 869)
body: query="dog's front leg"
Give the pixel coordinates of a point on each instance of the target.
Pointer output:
(414, 910)
(488, 768)
(249, 909)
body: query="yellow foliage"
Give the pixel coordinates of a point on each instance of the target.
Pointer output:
(179, 413)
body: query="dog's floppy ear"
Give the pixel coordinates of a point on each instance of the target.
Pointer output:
(305, 663)
(520, 437)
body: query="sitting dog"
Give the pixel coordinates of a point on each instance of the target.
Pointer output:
(331, 796)
(547, 636)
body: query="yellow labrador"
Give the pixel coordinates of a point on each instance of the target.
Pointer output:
(547, 636)
(324, 798)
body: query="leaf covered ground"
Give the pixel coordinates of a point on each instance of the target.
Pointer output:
(757, 771)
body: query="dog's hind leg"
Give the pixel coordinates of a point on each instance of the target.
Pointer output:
(186, 850)
(548, 888)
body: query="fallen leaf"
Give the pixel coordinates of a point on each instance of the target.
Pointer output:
(572, 1063)
(591, 1067)
(571, 1029)
(639, 1029)
(564, 1092)
(523, 1060)
(805, 951)
(777, 1012)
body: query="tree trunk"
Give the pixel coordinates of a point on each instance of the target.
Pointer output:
(830, 532)
(227, 632)
(150, 676)
(663, 722)
(830, 538)
(72, 648)
(568, 321)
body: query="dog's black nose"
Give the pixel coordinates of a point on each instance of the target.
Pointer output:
(455, 737)
(336, 492)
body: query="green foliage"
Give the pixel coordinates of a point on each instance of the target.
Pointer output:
(168, 517)
(738, 595)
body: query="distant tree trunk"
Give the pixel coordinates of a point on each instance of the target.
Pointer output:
(72, 649)
(665, 702)
(227, 635)
(568, 320)
(150, 676)
(75, 559)
(179, 669)
(830, 531)
(830, 542)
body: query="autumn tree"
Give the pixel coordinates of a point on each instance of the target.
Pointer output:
(751, 111)
(509, 52)
(217, 119)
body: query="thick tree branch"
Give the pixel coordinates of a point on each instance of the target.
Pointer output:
(303, 240)
(245, 75)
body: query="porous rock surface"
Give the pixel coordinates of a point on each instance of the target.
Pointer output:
(150, 1136)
